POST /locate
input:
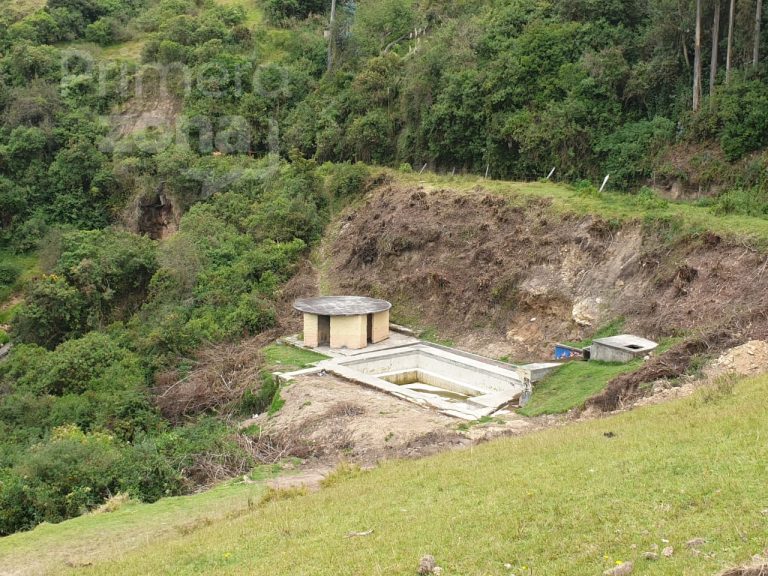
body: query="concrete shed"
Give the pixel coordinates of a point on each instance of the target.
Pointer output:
(623, 348)
(351, 322)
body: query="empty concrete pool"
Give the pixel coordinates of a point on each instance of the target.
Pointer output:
(455, 383)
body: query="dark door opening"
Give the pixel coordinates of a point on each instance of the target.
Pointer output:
(370, 328)
(323, 330)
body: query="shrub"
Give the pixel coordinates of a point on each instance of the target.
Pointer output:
(370, 137)
(102, 32)
(204, 451)
(283, 219)
(147, 474)
(252, 315)
(66, 476)
(586, 189)
(79, 365)
(281, 10)
(630, 151)
(744, 201)
(100, 276)
(29, 234)
(16, 505)
(53, 311)
(743, 108)
(648, 199)
(9, 273)
(347, 180)
(258, 400)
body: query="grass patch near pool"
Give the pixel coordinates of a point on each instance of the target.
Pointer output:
(575, 382)
(572, 385)
(284, 357)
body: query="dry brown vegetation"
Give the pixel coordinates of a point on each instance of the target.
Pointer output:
(220, 375)
(753, 570)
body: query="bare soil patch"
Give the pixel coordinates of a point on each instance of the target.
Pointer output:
(327, 420)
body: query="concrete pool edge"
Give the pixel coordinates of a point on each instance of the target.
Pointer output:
(508, 381)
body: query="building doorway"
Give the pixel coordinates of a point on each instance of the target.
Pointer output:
(323, 330)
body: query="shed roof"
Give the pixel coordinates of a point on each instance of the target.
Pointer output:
(341, 305)
(627, 342)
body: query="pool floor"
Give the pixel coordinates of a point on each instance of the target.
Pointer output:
(429, 391)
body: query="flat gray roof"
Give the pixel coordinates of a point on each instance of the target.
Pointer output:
(627, 342)
(341, 305)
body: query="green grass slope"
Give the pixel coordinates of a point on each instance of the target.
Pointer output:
(676, 217)
(572, 385)
(50, 547)
(567, 501)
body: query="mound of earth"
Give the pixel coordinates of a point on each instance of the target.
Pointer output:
(749, 359)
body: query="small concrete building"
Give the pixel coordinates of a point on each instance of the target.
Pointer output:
(623, 348)
(351, 322)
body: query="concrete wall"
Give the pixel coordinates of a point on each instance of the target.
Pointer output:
(349, 332)
(380, 326)
(538, 371)
(472, 374)
(310, 331)
(346, 331)
(607, 354)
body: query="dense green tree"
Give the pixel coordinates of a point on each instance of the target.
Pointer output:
(280, 10)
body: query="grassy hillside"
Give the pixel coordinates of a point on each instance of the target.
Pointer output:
(690, 217)
(566, 501)
(102, 535)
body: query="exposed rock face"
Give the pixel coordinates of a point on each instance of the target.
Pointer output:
(156, 215)
(587, 312)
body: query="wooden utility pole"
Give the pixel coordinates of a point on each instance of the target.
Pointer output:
(729, 55)
(715, 50)
(331, 33)
(758, 21)
(697, 68)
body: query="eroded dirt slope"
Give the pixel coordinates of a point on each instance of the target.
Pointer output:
(508, 276)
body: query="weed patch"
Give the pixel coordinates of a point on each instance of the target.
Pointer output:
(431, 335)
(465, 426)
(718, 390)
(344, 471)
(281, 494)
